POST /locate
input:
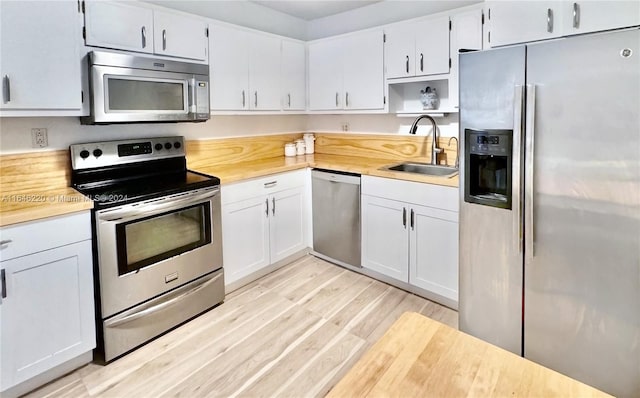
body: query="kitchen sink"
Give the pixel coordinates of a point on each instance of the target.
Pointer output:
(424, 169)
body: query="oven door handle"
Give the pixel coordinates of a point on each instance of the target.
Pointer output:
(127, 212)
(151, 307)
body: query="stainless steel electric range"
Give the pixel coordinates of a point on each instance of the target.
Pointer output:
(157, 238)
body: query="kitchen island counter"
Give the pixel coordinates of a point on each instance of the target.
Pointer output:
(420, 357)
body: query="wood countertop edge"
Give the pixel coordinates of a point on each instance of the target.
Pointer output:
(34, 213)
(414, 343)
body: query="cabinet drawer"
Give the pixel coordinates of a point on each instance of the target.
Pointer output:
(262, 186)
(430, 195)
(35, 236)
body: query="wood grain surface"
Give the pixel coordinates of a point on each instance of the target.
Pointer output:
(292, 333)
(420, 357)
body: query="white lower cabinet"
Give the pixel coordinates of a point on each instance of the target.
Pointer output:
(47, 308)
(410, 234)
(263, 222)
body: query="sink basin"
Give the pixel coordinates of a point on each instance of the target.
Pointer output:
(424, 169)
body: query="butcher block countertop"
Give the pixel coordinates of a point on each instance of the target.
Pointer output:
(420, 357)
(234, 172)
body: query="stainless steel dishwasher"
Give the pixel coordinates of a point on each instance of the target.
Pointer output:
(336, 216)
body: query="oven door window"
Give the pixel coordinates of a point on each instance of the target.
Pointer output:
(138, 94)
(146, 241)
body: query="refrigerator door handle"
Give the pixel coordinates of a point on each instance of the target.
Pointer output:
(529, 219)
(518, 222)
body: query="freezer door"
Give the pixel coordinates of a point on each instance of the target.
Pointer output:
(490, 281)
(582, 209)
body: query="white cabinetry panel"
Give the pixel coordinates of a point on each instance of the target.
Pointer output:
(40, 68)
(117, 25)
(293, 75)
(432, 46)
(592, 16)
(363, 81)
(179, 36)
(325, 75)
(400, 51)
(523, 21)
(287, 223)
(466, 33)
(229, 68)
(264, 72)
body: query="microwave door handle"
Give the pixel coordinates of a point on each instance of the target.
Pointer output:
(157, 207)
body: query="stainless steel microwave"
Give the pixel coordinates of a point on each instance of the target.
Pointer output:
(132, 89)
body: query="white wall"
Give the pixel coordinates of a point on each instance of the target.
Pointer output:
(382, 13)
(15, 133)
(242, 13)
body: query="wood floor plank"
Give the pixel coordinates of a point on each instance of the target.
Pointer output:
(292, 333)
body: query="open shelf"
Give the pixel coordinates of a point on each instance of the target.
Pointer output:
(404, 98)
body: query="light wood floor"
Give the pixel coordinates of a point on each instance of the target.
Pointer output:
(292, 333)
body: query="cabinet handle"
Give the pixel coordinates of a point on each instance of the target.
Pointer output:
(3, 281)
(6, 89)
(270, 184)
(144, 36)
(407, 64)
(273, 206)
(255, 102)
(346, 100)
(5, 242)
(336, 100)
(289, 100)
(164, 39)
(549, 20)
(421, 62)
(266, 202)
(243, 99)
(404, 217)
(576, 15)
(412, 216)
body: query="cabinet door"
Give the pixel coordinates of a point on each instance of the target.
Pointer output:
(592, 16)
(385, 237)
(433, 259)
(364, 71)
(293, 76)
(287, 224)
(245, 237)
(48, 312)
(116, 25)
(523, 21)
(229, 68)
(466, 33)
(179, 36)
(264, 72)
(400, 48)
(40, 66)
(432, 46)
(325, 75)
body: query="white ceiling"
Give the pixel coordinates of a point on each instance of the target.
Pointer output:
(313, 9)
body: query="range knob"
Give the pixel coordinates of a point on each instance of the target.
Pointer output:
(97, 152)
(177, 145)
(168, 145)
(84, 154)
(158, 147)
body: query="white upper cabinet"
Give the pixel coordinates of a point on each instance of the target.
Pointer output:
(418, 48)
(325, 75)
(512, 22)
(129, 27)
(523, 21)
(118, 25)
(432, 46)
(293, 75)
(466, 33)
(591, 16)
(346, 73)
(229, 68)
(40, 66)
(179, 36)
(264, 72)
(363, 79)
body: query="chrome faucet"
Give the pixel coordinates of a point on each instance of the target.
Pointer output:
(457, 151)
(434, 143)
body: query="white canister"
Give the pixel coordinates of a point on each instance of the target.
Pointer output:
(290, 149)
(300, 147)
(308, 142)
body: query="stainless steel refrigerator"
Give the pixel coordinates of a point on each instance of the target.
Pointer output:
(550, 204)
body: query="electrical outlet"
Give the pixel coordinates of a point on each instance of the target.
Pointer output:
(39, 138)
(345, 126)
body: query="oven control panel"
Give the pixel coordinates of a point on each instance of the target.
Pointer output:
(112, 153)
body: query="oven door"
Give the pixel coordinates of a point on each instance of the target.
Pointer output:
(151, 247)
(137, 95)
